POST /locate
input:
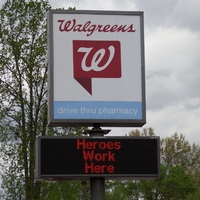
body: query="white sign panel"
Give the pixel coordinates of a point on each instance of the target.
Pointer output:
(96, 68)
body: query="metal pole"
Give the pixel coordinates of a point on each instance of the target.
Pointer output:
(97, 184)
(97, 188)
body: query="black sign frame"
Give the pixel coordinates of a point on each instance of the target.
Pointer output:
(80, 158)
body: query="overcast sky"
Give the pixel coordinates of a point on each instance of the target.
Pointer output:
(172, 61)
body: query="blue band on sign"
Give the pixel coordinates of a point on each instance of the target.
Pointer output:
(97, 110)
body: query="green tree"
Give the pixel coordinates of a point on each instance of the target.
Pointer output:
(23, 73)
(65, 190)
(180, 166)
(143, 132)
(194, 196)
(176, 150)
(116, 190)
(23, 98)
(174, 184)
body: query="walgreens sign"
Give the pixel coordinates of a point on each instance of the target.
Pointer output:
(96, 65)
(89, 28)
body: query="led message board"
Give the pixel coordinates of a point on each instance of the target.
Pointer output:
(85, 157)
(96, 68)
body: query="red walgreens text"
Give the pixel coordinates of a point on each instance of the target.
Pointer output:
(92, 158)
(71, 25)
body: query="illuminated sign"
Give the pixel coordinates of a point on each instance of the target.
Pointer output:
(96, 68)
(85, 157)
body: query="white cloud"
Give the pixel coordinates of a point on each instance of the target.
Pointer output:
(95, 5)
(186, 14)
(172, 68)
(177, 118)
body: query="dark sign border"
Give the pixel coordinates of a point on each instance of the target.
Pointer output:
(83, 176)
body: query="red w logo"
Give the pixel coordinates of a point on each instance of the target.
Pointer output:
(96, 59)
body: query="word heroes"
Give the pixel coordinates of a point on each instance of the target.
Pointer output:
(99, 156)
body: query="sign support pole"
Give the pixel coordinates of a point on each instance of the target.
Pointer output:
(97, 184)
(97, 188)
